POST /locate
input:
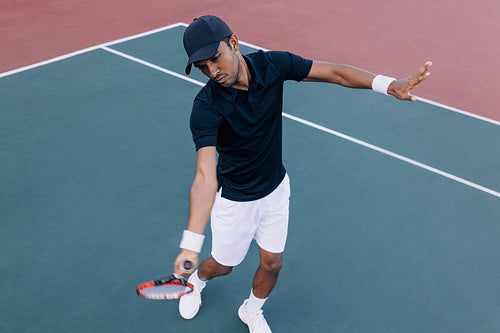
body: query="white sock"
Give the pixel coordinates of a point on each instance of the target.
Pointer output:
(254, 303)
(195, 280)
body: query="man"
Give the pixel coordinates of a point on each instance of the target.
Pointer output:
(246, 192)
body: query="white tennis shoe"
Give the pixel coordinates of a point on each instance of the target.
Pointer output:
(256, 322)
(189, 304)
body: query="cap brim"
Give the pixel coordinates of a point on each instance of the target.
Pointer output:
(204, 53)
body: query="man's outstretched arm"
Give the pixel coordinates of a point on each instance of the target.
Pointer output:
(352, 77)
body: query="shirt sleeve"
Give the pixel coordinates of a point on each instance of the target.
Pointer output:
(204, 125)
(289, 65)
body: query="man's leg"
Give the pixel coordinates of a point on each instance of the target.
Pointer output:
(267, 274)
(263, 283)
(270, 235)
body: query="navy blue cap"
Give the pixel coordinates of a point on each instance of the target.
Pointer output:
(202, 38)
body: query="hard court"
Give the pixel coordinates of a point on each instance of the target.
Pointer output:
(394, 218)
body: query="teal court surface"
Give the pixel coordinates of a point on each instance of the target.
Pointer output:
(395, 207)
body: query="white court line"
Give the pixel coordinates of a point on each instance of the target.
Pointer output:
(428, 101)
(88, 49)
(397, 156)
(148, 64)
(325, 129)
(182, 24)
(104, 46)
(421, 99)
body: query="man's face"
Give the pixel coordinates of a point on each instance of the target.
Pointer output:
(223, 67)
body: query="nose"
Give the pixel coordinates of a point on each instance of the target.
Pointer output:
(212, 70)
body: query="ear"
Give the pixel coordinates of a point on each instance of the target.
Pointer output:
(233, 40)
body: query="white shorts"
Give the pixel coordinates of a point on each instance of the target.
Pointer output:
(234, 224)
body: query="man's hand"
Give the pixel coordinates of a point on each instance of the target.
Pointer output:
(402, 88)
(183, 256)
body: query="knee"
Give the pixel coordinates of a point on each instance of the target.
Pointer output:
(272, 264)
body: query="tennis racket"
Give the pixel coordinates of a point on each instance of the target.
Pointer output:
(170, 287)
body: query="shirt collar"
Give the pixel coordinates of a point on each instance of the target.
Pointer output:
(256, 80)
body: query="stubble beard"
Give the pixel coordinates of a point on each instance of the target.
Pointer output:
(233, 79)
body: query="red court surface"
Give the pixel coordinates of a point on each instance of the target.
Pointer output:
(391, 37)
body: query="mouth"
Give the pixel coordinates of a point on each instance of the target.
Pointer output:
(221, 79)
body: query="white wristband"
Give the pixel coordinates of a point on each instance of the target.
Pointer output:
(192, 241)
(381, 83)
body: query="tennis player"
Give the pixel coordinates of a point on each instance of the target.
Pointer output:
(245, 193)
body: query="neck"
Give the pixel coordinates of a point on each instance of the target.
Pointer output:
(244, 75)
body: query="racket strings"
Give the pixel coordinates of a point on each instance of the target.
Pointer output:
(167, 288)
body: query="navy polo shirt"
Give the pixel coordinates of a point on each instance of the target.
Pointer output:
(246, 126)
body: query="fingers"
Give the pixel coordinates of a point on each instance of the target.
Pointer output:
(179, 265)
(187, 266)
(421, 74)
(401, 89)
(422, 70)
(420, 78)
